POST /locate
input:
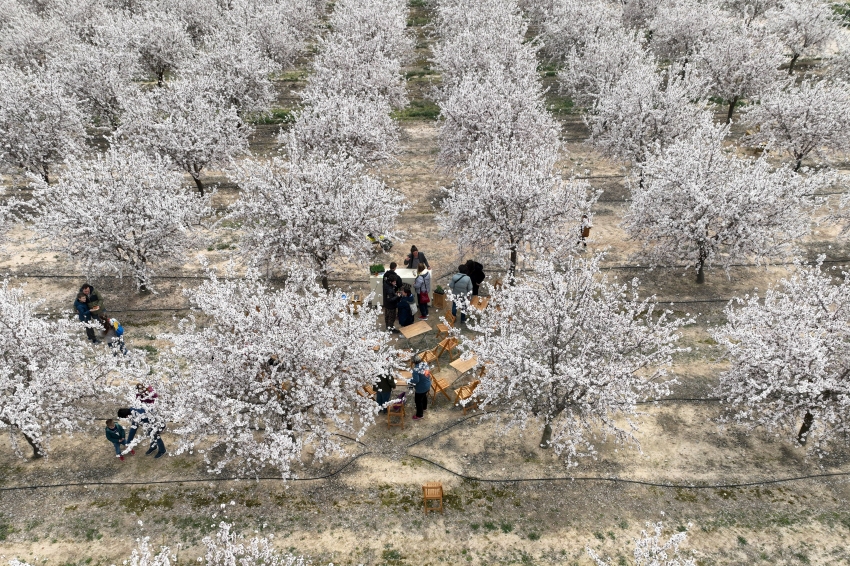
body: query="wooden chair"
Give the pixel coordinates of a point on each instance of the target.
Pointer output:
(464, 393)
(439, 385)
(432, 491)
(431, 356)
(445, 328)
(366, 391)
(395, 412)
(448, 345)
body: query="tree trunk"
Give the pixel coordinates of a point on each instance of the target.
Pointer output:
(793, 61)
(325, 282)
(808, 421)
(700, 274)
(512, 270)
(732, 104)
(198, 183)
(546, 438)
(798, 164)
(36, 453)
(160, 78)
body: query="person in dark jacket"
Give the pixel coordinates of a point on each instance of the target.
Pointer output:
(406, 307)
(84, 314)
(391, 299)
(421, 382)
(384, 388)
(392, 276)
(115, 435)
(139, 417)
(476, 273)
(416, 258)
(93, 300)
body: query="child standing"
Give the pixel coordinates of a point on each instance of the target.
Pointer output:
(115, 435)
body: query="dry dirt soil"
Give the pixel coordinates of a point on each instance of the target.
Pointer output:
(507, 501)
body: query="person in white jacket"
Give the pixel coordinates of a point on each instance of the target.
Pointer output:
(422, 286)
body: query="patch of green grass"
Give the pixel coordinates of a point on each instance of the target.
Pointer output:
(560, 105)
(682, 529)
(418, 110)
(5, 528)
(274, 116)
(533, 536)
(623, 524)
(599, 535)
(474, 526)
(507, 527)
(742, 541)
(490, 525)
(802, 557)
(136, 502)
(391, 556)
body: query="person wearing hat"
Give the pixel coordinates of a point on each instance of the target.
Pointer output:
(421, 382)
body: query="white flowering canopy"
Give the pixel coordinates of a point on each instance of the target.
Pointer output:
(789, 358)
(120, 213)
(568, 352)
(809, 119)
(652, 550)
(313, 211)
(46, 373)
(700, 204)
(260, 375)
(509, 197)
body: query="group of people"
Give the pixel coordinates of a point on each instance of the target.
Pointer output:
(403, 301)
(140, 417)
(89, 306)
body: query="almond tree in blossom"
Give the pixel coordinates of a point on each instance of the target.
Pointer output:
(258, 375)
(570, 354)
(47, 374)
(788, 354)
(700, 205)
(40, 124)
(805, 28)
(810, 119)
(120, 213)
(316, 211)
(509, 198)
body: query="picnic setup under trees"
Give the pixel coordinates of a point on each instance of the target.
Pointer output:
(423, 282)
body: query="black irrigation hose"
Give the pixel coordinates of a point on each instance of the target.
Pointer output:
(193, 480)
(628, 481)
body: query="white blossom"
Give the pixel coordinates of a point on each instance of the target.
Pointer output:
(316, 211)
(804, 27)
(280, 28)
(567, 352)
(28, 40)
(228, 549)
(509, 197)
(39, 123)
(680, 26)
(188, 122)
(812, 118)
(571, 24)
(46, 373)
(269, 374)
(699, 204)
(789, 357)
(749, 10)
(120, 213)
(739, 63)
(651, 550)
(161, 42)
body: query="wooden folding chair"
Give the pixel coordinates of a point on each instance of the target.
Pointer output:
(445, 328)
(431, 356)
(432, 491)
(439, 385)
(464, 393)
(395, 412)
(448, 345)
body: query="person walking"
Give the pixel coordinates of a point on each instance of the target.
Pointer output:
(391, 299)
(416, 258)
(84, 314)
(421, 382)
(584, 230)
(422, 286)
(139, 417)
(476, 274)
(461, 286)
(115, 435)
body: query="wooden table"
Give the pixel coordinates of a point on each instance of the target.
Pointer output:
(479, 303)
(403, 376)
(463, 366)
(415, 329)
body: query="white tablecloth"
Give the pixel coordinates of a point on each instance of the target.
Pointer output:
(376, 284)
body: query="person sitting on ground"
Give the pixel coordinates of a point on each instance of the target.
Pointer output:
(416, 258)
(84, 314)
(406, 307)
(115, 435)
